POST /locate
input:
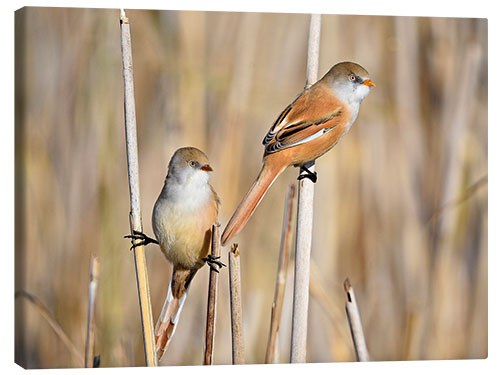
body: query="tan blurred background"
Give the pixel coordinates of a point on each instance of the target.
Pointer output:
(400, 204)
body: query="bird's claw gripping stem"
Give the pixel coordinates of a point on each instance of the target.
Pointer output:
(212, 262)
(140, 236)
(313, 176)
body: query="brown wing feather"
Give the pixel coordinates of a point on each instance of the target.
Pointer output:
(217, 200)
(314, 109)
(296, 133)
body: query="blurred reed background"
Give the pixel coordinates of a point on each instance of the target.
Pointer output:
(400, 205)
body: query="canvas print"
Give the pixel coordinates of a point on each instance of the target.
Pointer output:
(213, 188)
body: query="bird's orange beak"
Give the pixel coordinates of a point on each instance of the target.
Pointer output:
(368, 82)
(206, 167)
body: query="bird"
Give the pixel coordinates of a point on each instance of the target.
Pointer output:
(182, 221)
(307, 128)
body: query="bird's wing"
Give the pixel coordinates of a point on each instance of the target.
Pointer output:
(309, 116)
(217, 200)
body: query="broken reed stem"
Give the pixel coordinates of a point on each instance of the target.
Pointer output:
(45, 313)
(355, 325)
(89, 341)
(236, 310)
(135, 207)
(212, 301)
(304, 222)
(279, 291)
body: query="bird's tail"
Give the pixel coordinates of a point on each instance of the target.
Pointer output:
(172, 307)
(265, 179)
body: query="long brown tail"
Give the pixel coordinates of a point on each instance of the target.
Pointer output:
(172, 307)
(265, 179)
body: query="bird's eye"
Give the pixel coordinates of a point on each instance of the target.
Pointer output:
(352, 77)
(192, 163)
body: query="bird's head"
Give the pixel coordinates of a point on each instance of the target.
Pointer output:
(349, 81)
(189, 165)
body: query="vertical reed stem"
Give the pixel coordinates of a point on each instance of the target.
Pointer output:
(304, 223)
(212, 301)
(236, 310)
(135, 207)
(358, 337)
(279, 291)
(89, 342)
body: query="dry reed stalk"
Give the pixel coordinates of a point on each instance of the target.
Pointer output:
(279, 291)
(135, 207)
(236, 310)
(89, 342)
(304, 222)
(212, 301)
(45, 313)
(355, 325)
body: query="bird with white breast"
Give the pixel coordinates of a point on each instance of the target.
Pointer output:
(183, 216)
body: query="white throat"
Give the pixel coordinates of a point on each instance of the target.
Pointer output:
(190, 191)
(352, 97)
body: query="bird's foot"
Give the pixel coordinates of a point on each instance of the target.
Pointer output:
(306, 173)
(212, 262)
(144, 240)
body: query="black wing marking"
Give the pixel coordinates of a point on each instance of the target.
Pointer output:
(270, 134)
(282, 139)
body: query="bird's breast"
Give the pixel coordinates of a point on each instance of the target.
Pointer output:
(183, 227)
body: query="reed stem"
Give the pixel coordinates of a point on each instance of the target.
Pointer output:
(279, 291)
(135, 207)
(89, 341)
(238, 347)
(212, 301)
(358, 337)
(305, 205)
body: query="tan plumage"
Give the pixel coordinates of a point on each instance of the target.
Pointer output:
(183, 216)
(307, 128)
